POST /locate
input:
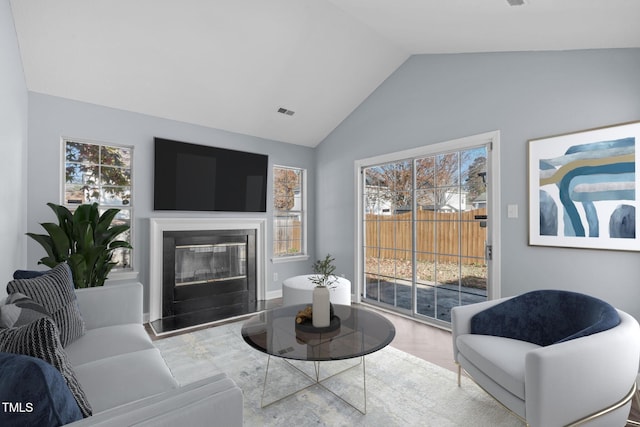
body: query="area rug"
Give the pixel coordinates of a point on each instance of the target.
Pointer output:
(401, 389)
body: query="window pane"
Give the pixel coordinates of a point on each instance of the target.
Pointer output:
(474, 174)
(288, 214)
(447, 170)
(74, 195)
(76, 173)
(115, 196)
(287, 234)
(403, 234)
(426, 172)
(116, 156)
(91, 194)
(115, 176)
(83, 153)
(287, 189)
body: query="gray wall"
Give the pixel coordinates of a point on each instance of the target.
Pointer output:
(436, 98)
(13, 144)
(51, 117)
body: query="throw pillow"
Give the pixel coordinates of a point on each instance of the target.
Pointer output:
(27, 274)
(54, 290)
(20, 310)
(37, 393)
(40, 339)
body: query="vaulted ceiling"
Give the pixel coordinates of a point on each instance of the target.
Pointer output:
(232, 64)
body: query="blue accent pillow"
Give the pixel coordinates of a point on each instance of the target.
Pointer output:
(28, 274)
(546, 317)
(34, 393)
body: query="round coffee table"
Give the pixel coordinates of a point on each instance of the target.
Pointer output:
(360, 332)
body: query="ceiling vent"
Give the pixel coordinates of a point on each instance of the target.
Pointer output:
(285, 111)
(515, 2)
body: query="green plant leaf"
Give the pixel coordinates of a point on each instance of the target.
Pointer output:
(85, 240)
(81, 213)
(106, 219)
(49, 262)
(45, 241)
(64, 215)
(119, 244)
(112, 233)
(59, 239)
(78, 267)
(83, 236)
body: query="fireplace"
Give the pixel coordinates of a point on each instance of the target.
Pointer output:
(208, 270)
(203, 271)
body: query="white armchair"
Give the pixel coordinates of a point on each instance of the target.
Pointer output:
(585, 377)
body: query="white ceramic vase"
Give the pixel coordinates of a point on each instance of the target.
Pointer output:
(321, 313)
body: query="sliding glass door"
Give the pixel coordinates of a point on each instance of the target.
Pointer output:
(424, 232)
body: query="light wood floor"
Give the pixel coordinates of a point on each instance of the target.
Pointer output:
(422, 340)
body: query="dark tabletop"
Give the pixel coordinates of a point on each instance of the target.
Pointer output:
(354, 332)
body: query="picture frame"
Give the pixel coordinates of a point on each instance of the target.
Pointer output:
(583, 189)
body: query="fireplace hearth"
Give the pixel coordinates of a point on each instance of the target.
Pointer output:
(207, 275)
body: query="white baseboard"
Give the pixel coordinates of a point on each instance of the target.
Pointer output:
(273, 294)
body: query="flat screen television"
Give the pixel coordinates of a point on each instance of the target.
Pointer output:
(191, 177)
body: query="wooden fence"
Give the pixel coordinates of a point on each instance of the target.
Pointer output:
(439, 235)
(287, 239)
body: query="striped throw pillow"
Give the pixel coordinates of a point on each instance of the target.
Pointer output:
(54, 291)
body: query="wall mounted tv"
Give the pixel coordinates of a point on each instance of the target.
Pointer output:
(191, 177)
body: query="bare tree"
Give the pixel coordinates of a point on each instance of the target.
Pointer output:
(285, 184)
(475, 181)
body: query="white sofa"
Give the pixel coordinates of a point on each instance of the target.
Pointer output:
(552, 385)
(125, 377)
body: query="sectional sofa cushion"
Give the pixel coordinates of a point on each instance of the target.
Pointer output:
(37, 391)
(108, 341)
(41, 339)
(54, 290)
(127, 377)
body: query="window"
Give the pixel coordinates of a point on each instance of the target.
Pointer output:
(289, 212)
(99, 173)
(426, 229)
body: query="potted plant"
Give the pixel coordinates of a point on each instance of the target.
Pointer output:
(323, 279)
(323, 270)
(85, 240)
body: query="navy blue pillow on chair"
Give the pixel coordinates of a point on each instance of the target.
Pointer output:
(546, 317)
(34, 393)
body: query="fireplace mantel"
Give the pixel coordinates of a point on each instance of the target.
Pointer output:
(157, 226)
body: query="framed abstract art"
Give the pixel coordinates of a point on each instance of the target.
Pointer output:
(583, 189)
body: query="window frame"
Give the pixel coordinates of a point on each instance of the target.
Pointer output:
(117, 272)
(303, 254)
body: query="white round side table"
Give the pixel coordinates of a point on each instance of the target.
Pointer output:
(298, 290)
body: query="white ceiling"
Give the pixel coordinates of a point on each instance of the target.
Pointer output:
(230, 64)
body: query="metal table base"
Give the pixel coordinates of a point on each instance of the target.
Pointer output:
(316, 380)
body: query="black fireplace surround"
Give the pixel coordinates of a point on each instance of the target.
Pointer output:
(207, 276)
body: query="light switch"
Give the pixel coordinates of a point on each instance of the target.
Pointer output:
(512, 211)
